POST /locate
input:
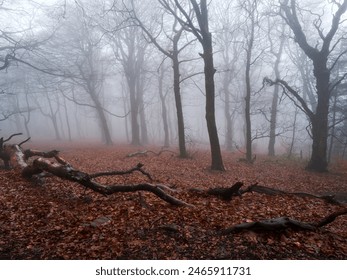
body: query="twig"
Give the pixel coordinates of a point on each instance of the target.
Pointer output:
(138, 167)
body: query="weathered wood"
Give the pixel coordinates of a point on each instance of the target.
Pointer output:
(64, 170)
(226, 193)
(146, 152)
(282, 223)
(270, 225)
(138, 167)
(270, 191)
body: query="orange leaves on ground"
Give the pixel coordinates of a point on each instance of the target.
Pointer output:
(61, 220)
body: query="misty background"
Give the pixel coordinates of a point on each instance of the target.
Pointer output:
(102, 70)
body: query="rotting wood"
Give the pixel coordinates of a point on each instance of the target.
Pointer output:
(226, 193)
(146, 152)
(282, 223)
(271, 191)
(6, 151)
(235, 190)
(64, 170)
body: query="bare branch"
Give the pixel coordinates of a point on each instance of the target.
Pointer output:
(138, 167)
(294, 93)
(9, 138)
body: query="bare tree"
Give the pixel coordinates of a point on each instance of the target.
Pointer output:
(250, 8)
(84, 75)
(202, 32)
(273, 118)
(164, 111)
(173, 54)
(130, 49)
(319, 54)
(228, 40)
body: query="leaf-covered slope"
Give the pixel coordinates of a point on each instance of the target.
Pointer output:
(62, 220)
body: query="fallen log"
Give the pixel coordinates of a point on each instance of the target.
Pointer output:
(226, 193)
(6, 151)
(269, 225)
(146, 152)
(64, 170)
(282, 223)
(270, 191)
(220, 192)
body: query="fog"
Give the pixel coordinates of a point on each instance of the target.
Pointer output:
(103, 71)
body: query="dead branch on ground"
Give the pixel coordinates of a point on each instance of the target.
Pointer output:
(226, 193)
(282, 223)
(146, 152)
(235, 190)
(65, 171)
(270, 191)
(6, 151)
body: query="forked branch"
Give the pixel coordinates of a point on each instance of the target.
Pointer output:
(65, 171)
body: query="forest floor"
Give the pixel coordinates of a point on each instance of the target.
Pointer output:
(63, 220)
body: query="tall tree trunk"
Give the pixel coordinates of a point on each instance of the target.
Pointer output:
(248, 110)
(273, 122)
(318, 161)
(178, 103)
(274, 105)
(291, 147)
(163, 108)
(332, 136)
(67, 120)
(319, 119)
(141, 106)
(106, 135)
(53, 118)
(209, 70)
(227, 114)
(134, 112)
(125, 108)
(248, 91)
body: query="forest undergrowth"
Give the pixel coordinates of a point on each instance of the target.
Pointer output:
(63, 220)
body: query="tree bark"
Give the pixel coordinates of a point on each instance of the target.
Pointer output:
(65, 171)
(209, 70)
(106, 135)
(249, 50)
(227, 114)
(319, 161)
(274, 105)
(163, 108)
(178, 100)
(319, 57)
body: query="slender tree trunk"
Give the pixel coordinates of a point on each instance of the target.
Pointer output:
(125, 108)
(273, 122)
(163, 109)
(274, 105)
(248, 96)
(251, 9)
(331, 144)
(106, 135)
(53, 118)
(209, 70)
(291, 148)
(248, 113)
(178, 103)
(135, 128)
(27, 118)
(141, 106)
(67, 120)
(205, 38)
(228, 118)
